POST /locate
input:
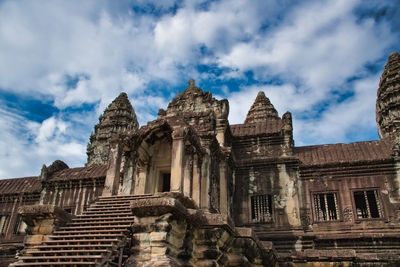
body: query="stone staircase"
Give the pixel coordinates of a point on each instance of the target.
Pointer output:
(95, 238)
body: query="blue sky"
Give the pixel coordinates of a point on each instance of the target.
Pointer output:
(63, 62)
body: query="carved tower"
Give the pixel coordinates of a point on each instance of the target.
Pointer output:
(261, 110)
(388, 99)
(118, 117)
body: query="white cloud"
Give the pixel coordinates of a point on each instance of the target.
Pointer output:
(26, 145)
(320, 45)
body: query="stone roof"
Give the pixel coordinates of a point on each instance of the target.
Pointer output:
(345, 153)
(20, 185)
(261, 110)
(93, 171)
(253, 129)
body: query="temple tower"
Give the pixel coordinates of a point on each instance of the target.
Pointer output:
(261, 110)
(118, 117)
(388, 98)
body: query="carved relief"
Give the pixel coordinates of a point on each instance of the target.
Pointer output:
(348, 214)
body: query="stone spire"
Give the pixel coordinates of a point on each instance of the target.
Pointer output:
(388, 98)
(118, 117)
(261, 110)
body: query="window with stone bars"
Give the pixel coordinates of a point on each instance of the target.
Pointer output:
(261, 208)
(4, 219)
(367, 204)
(326, 207)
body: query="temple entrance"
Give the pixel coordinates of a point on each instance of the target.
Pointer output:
(154, 173)
(166, 182)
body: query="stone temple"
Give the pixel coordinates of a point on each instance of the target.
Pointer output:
(190, 189)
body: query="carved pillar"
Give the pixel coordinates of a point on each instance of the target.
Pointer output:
(114, 163)
(187, 173)
(205, 182)
(128, 179)
(288, 196)
(178, 153)
(221, 125)
(223, 187)
(140, 183)
(196, 188)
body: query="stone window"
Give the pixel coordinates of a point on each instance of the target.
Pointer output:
(325, 207)
(261, 208)
(367, 204)
(20, 227)
(4, 219)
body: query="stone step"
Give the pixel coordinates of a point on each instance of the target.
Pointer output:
(98, 223)
(71, 251)
(66, 264)
(106, 211)
(110, 225)
(103, 219)
(110, 207)
(72, 247)
(85, 236)
(94, 231)
(124, 197)
(80, 241)
(123, 204)
(105, 215)
(87, 258)
(89, 239)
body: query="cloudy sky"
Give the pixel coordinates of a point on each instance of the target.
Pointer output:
(63, 62)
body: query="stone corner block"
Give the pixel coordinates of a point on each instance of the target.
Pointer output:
(32, 214)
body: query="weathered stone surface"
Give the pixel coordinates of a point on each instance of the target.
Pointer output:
(388, 101)
(118, 117)
(261, 110)
(43, 219)
(242, 195)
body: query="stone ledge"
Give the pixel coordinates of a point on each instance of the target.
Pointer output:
(221, 220)
(31, 213)
(322, 255)
(168, 203)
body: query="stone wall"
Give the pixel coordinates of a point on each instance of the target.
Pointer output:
(170, 231)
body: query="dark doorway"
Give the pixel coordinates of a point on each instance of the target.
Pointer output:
(166, 182)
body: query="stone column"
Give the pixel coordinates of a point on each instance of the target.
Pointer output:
(111, 183)
(128, 179)
(187, 175)
(196, 189)
(205, 183)
(223, 187)
(289, 195)
(140, 183)
(221, 125)
(178, 152)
